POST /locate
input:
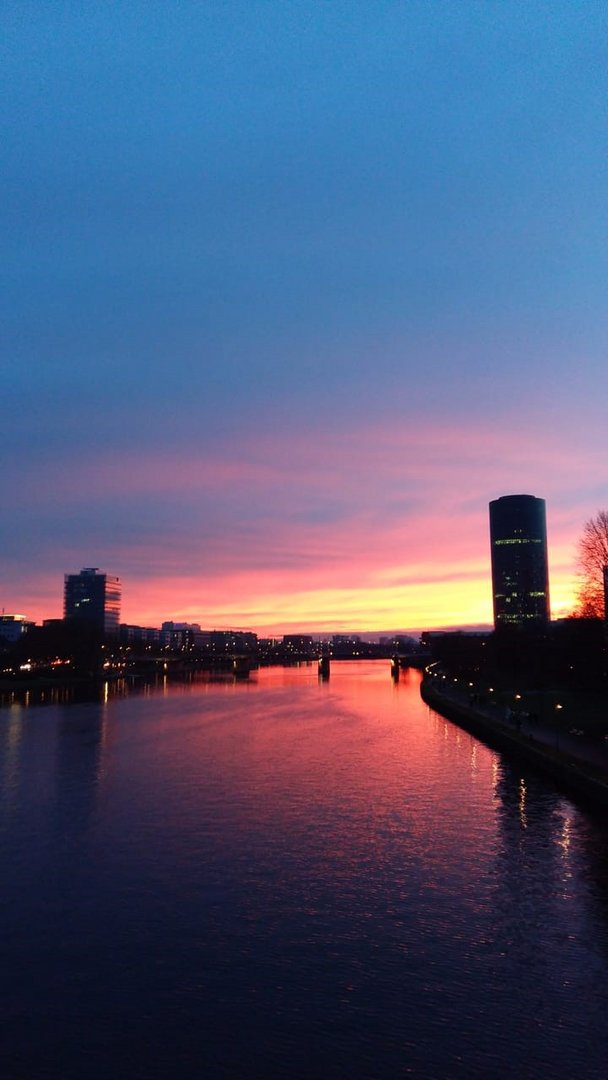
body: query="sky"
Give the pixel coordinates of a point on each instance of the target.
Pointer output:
(291, 290)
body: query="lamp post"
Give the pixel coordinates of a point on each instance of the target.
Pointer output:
(558, 709)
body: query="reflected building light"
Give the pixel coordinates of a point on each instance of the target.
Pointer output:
(9, 774)
(565, 838)
(14, 728)
(522, 803)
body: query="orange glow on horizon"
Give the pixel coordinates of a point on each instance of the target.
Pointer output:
(418, 605)
(371, 529)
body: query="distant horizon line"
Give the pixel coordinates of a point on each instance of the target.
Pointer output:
(367, 634)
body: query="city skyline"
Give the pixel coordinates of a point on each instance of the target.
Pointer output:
(515, 577)
(292, 294)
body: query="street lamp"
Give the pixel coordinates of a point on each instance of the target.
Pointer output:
(558, 709)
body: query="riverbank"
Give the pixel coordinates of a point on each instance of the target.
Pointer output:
(587, 781)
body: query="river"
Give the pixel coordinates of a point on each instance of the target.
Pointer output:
(281, 877)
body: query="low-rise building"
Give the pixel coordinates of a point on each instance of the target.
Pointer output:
(12, 627)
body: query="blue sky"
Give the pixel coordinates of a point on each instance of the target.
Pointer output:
(295, 238)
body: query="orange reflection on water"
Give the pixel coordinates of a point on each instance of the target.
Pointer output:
(358, 755)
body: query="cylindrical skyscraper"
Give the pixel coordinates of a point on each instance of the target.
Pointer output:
(520, 575)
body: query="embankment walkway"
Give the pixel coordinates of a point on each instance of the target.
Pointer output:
(539, 745)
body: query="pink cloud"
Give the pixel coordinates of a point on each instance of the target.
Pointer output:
(379, 524)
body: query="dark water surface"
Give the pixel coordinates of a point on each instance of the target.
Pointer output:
(287, 878)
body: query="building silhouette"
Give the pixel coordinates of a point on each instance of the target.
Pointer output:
(12, 628)
(93, 599)
(520, 576)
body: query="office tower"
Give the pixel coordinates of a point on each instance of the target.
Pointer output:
(520, 577)
(94, 599)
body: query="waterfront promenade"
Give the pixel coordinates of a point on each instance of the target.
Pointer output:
(576, 759)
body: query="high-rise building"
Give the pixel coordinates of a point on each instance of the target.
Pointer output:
(520, 576)
(94, 599)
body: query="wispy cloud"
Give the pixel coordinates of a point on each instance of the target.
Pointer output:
(374, 525)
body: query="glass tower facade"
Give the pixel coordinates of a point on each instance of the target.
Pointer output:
(520, 574)
(94, 599)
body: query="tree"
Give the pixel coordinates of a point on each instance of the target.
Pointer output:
(592, 559)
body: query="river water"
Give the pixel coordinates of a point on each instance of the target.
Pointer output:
(286, 878)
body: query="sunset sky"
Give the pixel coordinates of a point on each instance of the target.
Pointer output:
(291, 291)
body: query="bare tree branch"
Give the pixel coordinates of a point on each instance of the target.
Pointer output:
(592, 558)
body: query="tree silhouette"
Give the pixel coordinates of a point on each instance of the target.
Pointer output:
(592, 559)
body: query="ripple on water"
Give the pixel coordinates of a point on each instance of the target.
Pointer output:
(290, 878)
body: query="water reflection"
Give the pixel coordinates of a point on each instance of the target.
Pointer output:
(79, 768)
(288, 877)
(81, 691)
(10, 738)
